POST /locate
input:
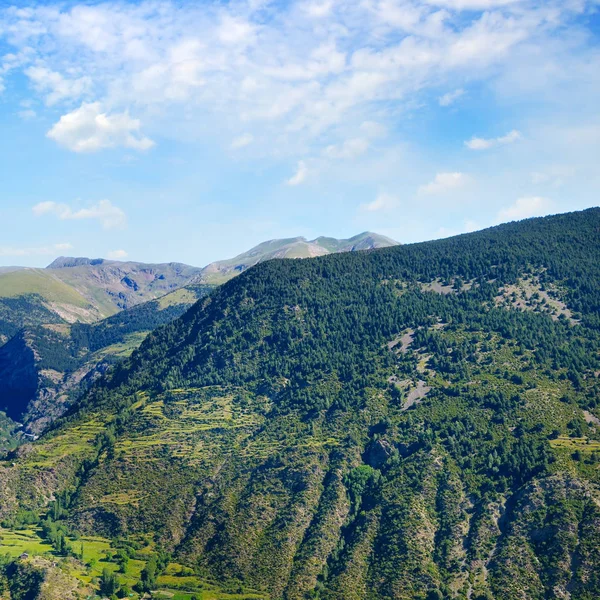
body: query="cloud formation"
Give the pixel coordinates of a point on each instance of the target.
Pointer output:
(526, 207)
(300, 176)
(8, 251)
(444, 182)
(105, 212)
(349, 149)
(384, 202)
(89, 129)
(451, 97)
(477, 143)
(554, 175)
(307, 70)
(473, 4)
(55, 87)
(242, 141)
(117, 254)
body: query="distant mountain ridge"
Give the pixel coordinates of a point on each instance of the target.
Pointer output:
(86, 290)
(63, 262)
(82, 290)
(298, 247)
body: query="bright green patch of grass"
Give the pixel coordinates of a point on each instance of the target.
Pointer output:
(38, 281)
(19, 541)
(124, 348)
(583, 444)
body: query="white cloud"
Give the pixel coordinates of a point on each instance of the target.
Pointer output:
(305, 74)
(27, 114)
(35, 250)
(555, 176)
(444, 182)
(523, 208)
(117, 254)
(511, 137)
(451, 97)
(322, 61)
(300, 176)
(480, 144)
(109, 215)
(472, 4)
(234, 30)
(55, 87)
(175, 77)
(88, 129)
(242, 141)
(373, 129)
(318, 10)
(383, 202)
(349, 149)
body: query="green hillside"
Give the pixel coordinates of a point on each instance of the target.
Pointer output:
(417, 422)
(41, 282)
(87, 290)
(34, 296)
(46, 363)
(44, 368)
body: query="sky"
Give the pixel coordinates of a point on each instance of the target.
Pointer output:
(190, 131)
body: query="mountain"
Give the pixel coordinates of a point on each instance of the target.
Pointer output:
(113, 285)
(82, 290)
(34, 296)
(10, 269)
(416, 422)
(43, 368)
(298, 247)
(53, 318)
(65, 262)
(86, 290)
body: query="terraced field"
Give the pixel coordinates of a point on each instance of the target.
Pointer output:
(73, 443)
(177, 582)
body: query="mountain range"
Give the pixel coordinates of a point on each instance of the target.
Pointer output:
(77, 289)
(63, 325)
(82, 290)
(419, 422)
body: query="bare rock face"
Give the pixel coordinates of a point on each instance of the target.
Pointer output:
(297, 247)
(114, 285)
(378, 452)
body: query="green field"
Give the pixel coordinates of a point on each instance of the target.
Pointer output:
(177, 582)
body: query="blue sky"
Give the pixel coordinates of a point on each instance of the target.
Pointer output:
(190, 131)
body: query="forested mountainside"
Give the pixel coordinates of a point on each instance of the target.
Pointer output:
(416, 422)
(84, 290)
(54, 343)
(44, 368)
